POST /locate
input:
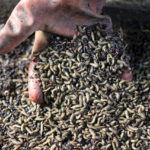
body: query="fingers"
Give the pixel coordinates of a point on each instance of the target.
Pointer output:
(35, 92)
(67, 27)
(40, 41)
(96, 6)
(84, 13)
(107, 23)
(34, 86)
(127, 75)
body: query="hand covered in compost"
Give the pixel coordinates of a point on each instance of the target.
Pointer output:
(56, 16)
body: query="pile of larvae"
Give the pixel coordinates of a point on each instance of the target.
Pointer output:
(92, 60)
(88, 106)
(91, 106)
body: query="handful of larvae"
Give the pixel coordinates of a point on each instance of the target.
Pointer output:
(93, 58)
(91, 107)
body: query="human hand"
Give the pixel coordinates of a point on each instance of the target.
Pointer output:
(56, 16)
